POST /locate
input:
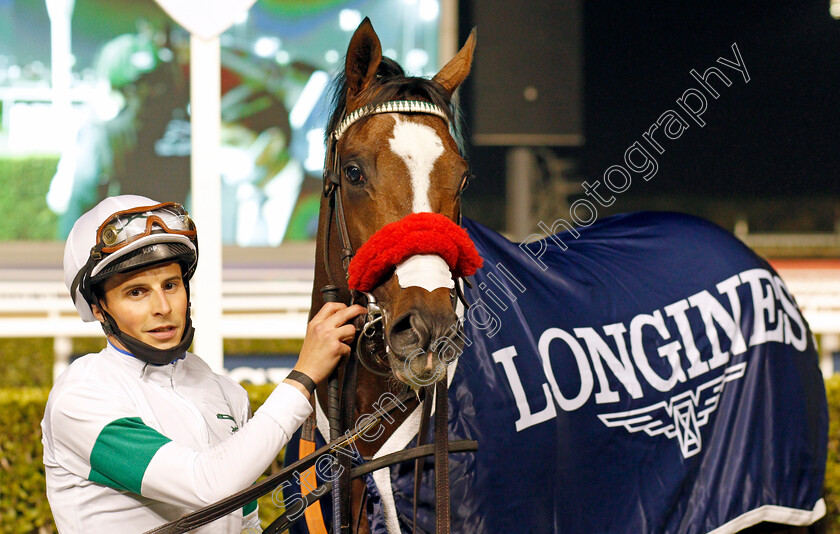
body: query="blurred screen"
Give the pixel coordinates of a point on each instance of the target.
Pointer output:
(118, 121)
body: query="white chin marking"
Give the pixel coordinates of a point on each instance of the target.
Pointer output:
(419, 147)
(428, 271)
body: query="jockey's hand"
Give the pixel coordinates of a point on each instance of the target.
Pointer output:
(327, 339)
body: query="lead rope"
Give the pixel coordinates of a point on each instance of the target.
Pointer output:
(347, 408)
(333, 410)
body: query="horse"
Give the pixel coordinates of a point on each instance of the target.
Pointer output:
(390, 237)
(384, 168)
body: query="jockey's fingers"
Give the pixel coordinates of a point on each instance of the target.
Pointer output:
(346, 333)
(330, 309)
(341, 316)
(327, 310)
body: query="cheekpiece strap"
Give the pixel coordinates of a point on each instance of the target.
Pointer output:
(394, 106)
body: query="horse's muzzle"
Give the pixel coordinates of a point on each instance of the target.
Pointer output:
(421, 344)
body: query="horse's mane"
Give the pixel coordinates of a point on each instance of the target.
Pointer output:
(391, 83)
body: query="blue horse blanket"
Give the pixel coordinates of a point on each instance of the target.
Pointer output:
(646, 374)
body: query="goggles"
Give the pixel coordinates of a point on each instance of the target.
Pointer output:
(125, 227)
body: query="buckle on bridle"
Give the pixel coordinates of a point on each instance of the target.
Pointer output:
(331, 182)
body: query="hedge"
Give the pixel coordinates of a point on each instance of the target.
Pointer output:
(28, 362)
(832, 464)
(23, 503)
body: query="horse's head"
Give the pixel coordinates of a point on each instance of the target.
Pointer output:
(395, 176)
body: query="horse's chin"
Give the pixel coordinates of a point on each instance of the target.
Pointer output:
(417, 378)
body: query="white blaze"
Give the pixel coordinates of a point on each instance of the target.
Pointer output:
(419, 147)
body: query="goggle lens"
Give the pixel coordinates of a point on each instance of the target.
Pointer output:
(127, 226)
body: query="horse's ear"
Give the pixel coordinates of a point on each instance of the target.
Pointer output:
(456, 71)
(363, 57)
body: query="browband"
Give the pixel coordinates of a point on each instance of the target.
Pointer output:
(394, 106)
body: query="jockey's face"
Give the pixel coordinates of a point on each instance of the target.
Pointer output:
(149, 305)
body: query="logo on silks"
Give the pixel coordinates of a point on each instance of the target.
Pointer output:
(681, 416)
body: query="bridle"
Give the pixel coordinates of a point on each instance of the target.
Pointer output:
(332, 170)
(335, 210)
(339, 407)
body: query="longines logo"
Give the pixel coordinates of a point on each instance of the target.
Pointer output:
(681, 416)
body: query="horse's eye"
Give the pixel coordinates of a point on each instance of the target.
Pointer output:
(353, 174)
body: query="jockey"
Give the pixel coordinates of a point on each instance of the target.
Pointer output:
(144, 432)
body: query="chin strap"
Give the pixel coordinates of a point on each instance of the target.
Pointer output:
(144, 351)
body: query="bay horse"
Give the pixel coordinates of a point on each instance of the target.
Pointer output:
(386, 167)
(390, 238)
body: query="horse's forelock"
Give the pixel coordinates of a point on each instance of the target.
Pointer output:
(391, 83)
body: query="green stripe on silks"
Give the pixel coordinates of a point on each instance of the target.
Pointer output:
(250, 507)
(122, 452)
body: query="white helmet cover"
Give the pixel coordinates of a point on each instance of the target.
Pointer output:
(82, 240)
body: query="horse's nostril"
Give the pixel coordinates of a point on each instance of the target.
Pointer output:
(402, 324)
(407, 334)
(402, 334)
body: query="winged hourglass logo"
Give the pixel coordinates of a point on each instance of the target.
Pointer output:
(681, 416)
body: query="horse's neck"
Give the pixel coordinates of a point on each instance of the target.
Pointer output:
(321, 278)
(371, 398)
(371, 390)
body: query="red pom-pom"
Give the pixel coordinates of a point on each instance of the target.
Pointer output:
(418, 233)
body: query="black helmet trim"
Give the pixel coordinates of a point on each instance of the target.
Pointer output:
(103, 261)
(147, 256)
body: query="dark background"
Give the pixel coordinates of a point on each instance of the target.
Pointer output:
(769, 151)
